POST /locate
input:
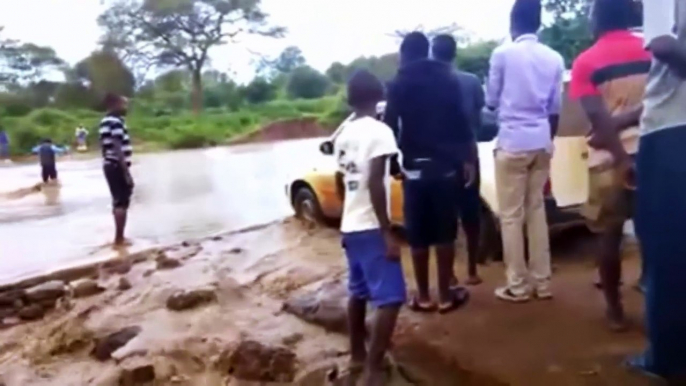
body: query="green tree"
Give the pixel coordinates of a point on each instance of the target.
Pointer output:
(307, 83)
(475, 57)
(181, 33)
(258, 91)
(569, 33)
(337, 72)
(25, 62)
(103, 72)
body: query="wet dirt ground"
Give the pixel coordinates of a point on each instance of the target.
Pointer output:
(236, 332)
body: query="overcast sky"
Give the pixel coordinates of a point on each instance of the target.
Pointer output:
(325, 30)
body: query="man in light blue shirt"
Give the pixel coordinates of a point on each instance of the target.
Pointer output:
(525, 86)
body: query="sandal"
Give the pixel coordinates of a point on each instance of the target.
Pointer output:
(460, 297)
(417, 306)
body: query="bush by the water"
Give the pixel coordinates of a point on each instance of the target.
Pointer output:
(166, 130)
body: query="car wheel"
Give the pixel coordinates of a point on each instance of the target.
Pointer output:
(307, 208)
(490, 241)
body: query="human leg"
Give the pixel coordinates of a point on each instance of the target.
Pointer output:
(470, 214)
(121, 196)
(511, 182)
(417, 226)
(661, 212)
(537, 225)
(386, 285)
(357, 301)
(45, 174)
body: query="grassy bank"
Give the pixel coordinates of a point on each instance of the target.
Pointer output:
(163, 130)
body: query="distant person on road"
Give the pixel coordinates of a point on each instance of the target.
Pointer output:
(660, 194)
(609, 80)
(116, 151)
(525, 87)
(425, 110)
(363, 150)
(4, 146)
(444, 49)
(46, 154)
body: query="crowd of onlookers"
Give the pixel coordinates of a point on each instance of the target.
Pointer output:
(632, 90)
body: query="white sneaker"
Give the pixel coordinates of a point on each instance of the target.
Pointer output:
(543, 294)
(504, 293)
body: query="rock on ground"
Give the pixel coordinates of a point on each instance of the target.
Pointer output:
(137, 374)
(253, 361)
(86, 287)
(124, 284)
(165, 262)
(105, 346)
(31, 312)
(325, 307)
(48, 291)
(185, 300)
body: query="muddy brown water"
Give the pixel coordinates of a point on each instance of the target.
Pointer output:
(178, 195)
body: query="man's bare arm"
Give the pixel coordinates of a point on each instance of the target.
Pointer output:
(604, 131)
(668, 50)
(340, 186)
(628, 118)
(377, 190)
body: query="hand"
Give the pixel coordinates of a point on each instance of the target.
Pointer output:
(399, 176)
(129, 180)
(663, 46)
(392, 246)
(469, 173)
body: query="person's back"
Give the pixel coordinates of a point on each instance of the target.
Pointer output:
(429, 101)
(472, 98)
(524, 93)
(4, 140)
(46, 154)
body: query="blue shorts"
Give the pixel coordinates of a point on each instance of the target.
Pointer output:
(372, 276)
(431, 210)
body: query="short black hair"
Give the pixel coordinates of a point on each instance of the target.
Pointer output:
(526, 16)
(47, 140)
(111, 100)
(611, 15)
(415, 46)
(365, 90)
(444, 48)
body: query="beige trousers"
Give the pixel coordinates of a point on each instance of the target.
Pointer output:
(520, 178)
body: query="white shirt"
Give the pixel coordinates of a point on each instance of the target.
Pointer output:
(360, 141)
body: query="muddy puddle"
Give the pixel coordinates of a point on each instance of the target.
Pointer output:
(207, 312)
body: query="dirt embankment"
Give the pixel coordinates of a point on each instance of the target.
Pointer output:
(236, 310)
(283, 130)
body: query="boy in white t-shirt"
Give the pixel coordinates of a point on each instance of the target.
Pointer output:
(363, 150)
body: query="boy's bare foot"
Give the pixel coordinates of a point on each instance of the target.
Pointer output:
(474, 280)
(119, 243)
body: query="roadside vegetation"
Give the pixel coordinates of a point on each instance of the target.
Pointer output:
(189, 104)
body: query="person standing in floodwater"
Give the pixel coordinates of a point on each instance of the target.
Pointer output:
(116, 152)
(363, 151)
(4, 145)
(661, 194)
(46, 154)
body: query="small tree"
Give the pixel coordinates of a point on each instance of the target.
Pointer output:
(258, 91)
(181, 33)
(307, 83)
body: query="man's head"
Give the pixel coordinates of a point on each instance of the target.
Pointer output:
(116, 104)
(525, 17)
(614, 15)
(365, 91)
(444, 48)
(415, 46)
(47, 141)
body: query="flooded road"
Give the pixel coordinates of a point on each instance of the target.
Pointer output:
(179, 195)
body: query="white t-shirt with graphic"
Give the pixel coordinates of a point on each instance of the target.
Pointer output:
(360, 141)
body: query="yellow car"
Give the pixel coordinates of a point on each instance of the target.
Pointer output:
(314, 199)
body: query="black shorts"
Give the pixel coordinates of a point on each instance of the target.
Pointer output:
(431, 210)
(120, 189)
(470, 202)
(48, 172)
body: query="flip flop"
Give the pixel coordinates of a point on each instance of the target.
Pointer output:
(460, 297)
(638, 364)
(417, 306)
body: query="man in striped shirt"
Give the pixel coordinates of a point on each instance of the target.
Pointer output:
(116, 151)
